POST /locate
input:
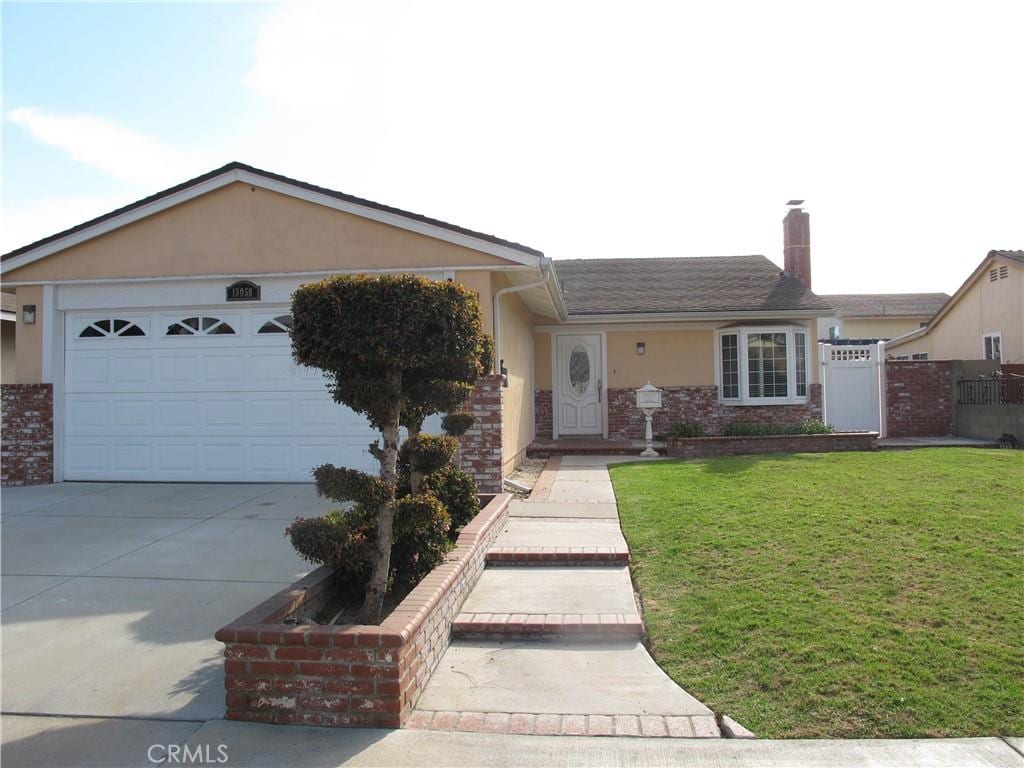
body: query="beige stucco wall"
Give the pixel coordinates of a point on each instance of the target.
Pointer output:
(875, 328)
(517, 349)
(480, 281)
(986, 307)
(29, 338)
(672, 358)
(7, 359)
(239, 230)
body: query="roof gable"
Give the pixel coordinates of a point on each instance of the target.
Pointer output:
(239, 172)
(1016, 257)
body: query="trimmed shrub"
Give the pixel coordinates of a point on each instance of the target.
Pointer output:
(686, 429)
(457, 424)
(342, 540)
(341, 484)
(457, 491)
(420, 537)
(812, 427)
(428, 453)
(395, 348)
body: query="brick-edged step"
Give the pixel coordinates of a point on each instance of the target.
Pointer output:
(529, 723)
(548, 626)
(558, 556)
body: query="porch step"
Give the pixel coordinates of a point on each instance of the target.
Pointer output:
(545, 590)
(540, 556)
(604, 627)
(583, 541)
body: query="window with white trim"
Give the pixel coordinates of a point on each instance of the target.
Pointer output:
(992, 346)
(762, 365)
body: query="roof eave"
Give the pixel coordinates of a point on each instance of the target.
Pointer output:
(647, 317)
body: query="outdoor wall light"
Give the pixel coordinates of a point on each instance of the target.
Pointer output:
(504, 373)
(28, 314)
(641, 348)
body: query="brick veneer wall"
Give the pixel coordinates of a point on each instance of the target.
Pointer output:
(351, 675)
(697, 447)
(696, 403)
(481, 444)
(26, 434)
(542, 413)
(920, 398)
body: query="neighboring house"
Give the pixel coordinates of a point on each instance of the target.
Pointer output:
(878, 316)
(162, 328)
(983, 320)
(8, 309)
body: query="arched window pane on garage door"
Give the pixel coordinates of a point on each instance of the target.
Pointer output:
(280, 324)
(110, 327)
(199, 326)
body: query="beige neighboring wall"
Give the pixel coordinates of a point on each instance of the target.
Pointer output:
(7, 353)
(237, 230)
(878, 328)
(517, 350)
(985, 307)
(28, 367)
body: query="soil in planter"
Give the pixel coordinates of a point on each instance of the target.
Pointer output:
(527, 474)
(343, 607)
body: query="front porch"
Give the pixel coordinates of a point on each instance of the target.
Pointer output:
(542, 448)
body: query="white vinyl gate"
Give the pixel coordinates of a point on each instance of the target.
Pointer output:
(853, 380)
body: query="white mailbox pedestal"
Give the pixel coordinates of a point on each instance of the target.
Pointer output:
(648, 400)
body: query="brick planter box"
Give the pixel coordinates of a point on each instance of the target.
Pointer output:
(350, 675)
(698, 447)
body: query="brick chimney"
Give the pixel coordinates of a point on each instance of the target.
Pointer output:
(796, 244)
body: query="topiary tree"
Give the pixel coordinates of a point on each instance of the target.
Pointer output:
(395, 348)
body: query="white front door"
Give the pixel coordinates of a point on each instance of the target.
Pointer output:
(579, 391)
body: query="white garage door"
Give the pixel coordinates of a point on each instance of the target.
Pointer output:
(198, 395)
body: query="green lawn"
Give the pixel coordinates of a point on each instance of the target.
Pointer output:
(847, 594)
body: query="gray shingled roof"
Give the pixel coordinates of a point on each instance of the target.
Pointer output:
(886, 304)
(1015, 255)
(662, 285)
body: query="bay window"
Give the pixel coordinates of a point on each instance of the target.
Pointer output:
(762, 366)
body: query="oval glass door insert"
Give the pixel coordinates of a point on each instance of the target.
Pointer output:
(579, 370)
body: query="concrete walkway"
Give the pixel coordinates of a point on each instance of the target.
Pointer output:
(550, 640)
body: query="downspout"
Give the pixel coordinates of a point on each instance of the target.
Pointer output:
(545, 270)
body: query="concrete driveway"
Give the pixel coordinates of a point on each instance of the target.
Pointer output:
(111, 592)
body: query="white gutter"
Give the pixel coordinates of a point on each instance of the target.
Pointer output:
(545, 270)
(654, 317)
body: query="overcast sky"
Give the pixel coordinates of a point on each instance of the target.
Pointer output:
(583, 129)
